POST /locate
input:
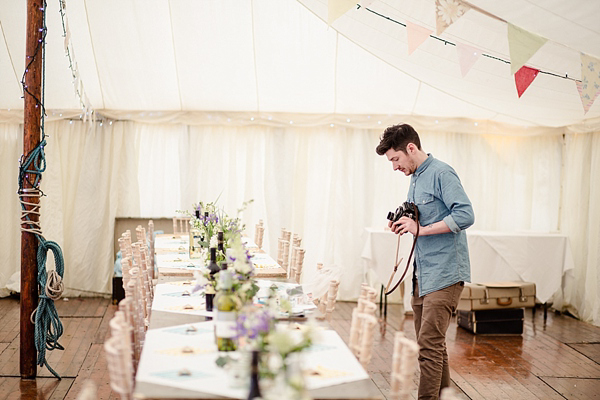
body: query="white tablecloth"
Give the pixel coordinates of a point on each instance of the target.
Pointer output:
(541, 258)
(163, 357)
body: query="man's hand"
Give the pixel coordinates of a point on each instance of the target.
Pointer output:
(404, 225)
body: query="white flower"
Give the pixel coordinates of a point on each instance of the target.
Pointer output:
(246, 286)
(214, 241)
(200, 278)
(450, 10)
(242, 267)
(284, 341)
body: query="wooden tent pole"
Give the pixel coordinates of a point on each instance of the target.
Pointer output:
(31, 138)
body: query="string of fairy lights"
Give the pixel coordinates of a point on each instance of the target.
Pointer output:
(87, 110)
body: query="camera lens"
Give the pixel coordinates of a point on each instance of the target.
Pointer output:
(390, 216)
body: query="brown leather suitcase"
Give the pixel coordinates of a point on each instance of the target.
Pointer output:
(497, 295)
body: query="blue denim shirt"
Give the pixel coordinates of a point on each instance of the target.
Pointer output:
(441, 260)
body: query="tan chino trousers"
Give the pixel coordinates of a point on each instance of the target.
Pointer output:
(432, 314)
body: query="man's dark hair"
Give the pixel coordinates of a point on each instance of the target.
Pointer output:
(398, 137)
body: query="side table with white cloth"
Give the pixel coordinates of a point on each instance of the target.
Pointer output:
(541, 258)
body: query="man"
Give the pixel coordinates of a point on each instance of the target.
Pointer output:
(441, 259)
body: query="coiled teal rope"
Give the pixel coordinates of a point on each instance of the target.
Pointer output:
(48, 327)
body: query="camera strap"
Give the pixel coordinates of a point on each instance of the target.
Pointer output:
(389, 291)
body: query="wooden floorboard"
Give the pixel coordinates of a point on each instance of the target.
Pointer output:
(554, 359)
(590, 350)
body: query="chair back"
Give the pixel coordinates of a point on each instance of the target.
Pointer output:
(181, 225)
(404, 365)
(259, 233)
(151, 246)
(121, 380)
(89, 391)
(283, 253)
(364, 307)
(327, 302)
(297, 264)
(367, 337)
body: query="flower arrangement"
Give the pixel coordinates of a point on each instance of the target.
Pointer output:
(238, 259)
(209, 219)
(277, 344)
(213, 219)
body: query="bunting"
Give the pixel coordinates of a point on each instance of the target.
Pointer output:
(416, 35)
(524, 77)
(589, 87)
(448, 12)
(337, 8)
(467, 56)
(522, 45)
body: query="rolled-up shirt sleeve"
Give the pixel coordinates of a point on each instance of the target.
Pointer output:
(456, 200)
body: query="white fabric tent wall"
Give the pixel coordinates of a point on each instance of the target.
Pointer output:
(325, 183)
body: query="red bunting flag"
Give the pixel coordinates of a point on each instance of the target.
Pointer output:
(523, 78)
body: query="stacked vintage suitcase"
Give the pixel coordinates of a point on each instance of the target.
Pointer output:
(495, 307)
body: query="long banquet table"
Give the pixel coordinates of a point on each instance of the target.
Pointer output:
(541, 258)
(169, 332)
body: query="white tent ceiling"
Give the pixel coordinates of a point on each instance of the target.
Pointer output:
(280, 56)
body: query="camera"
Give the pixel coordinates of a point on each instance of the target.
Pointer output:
(405, 210)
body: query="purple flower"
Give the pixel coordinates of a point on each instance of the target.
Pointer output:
(197, 287)
(254, 323)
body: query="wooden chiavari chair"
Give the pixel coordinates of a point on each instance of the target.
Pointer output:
(364, 306)
(126, 308)
(151, 246)
(119, 381)
(367, 337)
(404, 365)
(143, 289)
(297, 264)
(327, 302)
(283, 251)
(137, 314)
(259, 233)
(449, 393)
(181, 225)
(89, 391)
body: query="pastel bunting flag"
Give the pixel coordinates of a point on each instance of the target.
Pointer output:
(366, 3)
(589, 87)
(467, 56)
(416, 35)
(448, 12)
(522, 45)
(337, 8)
(524, 77)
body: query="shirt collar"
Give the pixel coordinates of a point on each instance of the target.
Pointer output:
(424, 165)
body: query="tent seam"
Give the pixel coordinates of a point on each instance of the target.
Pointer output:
(175, 58)
(94, 52)
(254, 58)
(12, 64)
(335, 72)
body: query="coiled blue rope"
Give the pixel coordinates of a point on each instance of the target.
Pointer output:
(48, 328)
